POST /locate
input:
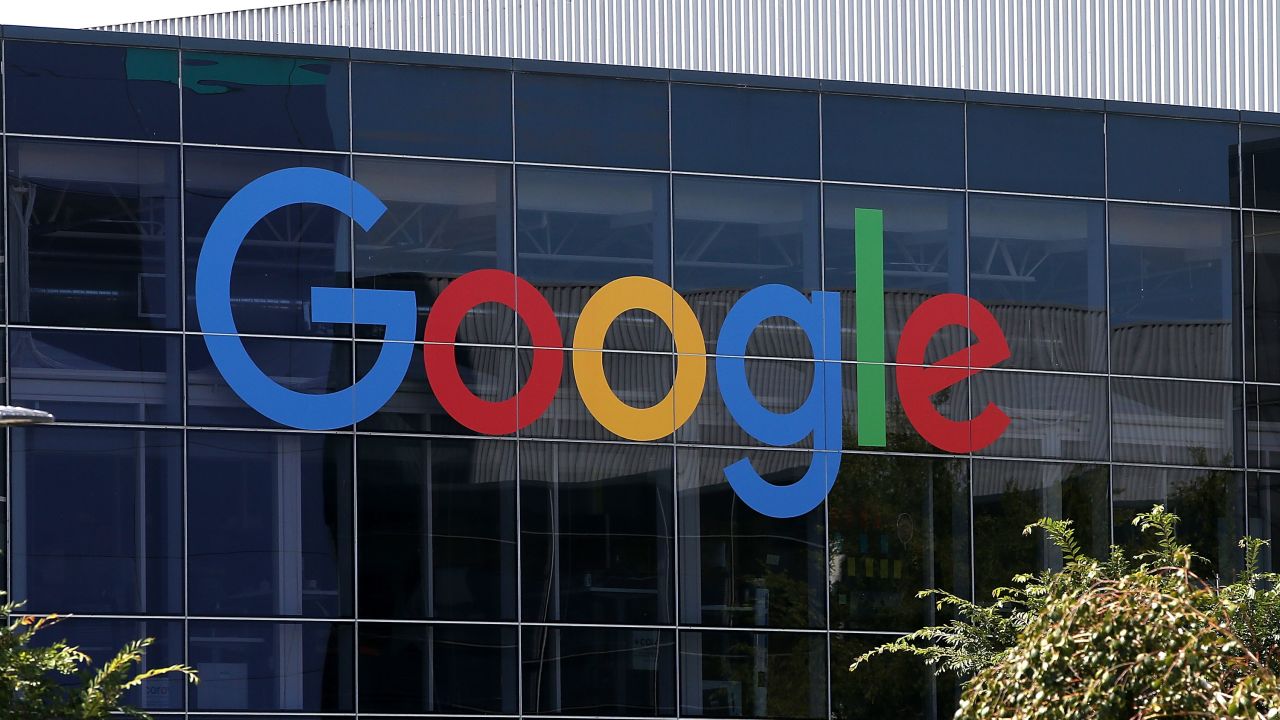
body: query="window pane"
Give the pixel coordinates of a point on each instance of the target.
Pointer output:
(1175, 160)
(397, 109)
(91, 90)
(599, 671)
(266, 666)
(1209, 505)
(1009, 495)
(94, 235)
(734, 235)
(1262, 296)
(1174, 422)
(640, 380)
(98, 376)
(294, 102)
(443, 220)
(1174, 292)
(437, 528)
(269, 524)
(741, 568)
(597, 532)
(1040, 267)
(1260, 157)
(307, 366)
(97, 520)
(899, 524)
(951, 402)
(779, 386)
(580, 229)
(727, 673)
(438, 668)
(892, 141)
(744, 131)
(1051, 415)
(891, 686)
(591, 121)
(924, 255)
(286, 254)
(1056, 152)
(1264, 517)
(1262, 408)
(490, 374)
(101, 639)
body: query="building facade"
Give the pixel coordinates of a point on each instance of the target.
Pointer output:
(488, 535)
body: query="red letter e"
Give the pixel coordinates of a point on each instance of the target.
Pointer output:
(918, 383)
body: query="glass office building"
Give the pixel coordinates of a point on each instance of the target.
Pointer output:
(410, 566)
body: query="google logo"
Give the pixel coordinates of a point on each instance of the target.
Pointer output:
(818, 316)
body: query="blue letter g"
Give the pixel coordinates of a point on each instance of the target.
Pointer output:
(394, 309)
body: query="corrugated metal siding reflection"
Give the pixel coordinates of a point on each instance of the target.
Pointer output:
(1190, 52)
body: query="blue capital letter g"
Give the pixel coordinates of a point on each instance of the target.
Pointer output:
(394, 309)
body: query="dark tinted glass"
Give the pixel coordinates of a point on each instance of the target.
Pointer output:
(733, 235)
(266, 666)
(1174, 292)
(94, 233)
(727, 673)
(1009, 495)
(307, 366)
(591, 121)
(293, 102)
(1175, 160)
(97, 520)
(892, 686)
(599, 671)
(596, 532)
(443, 112)
(1262, 413)
(898, 524)
(739, 567)
(779, 386)
(286, 254)
(923, 256)
(1058, 152)
(101, 639)
(1264, 516)
(579, 229)
(1209, 505)
(892, 141)
(437, 528)
(1262, 296)
(443, 220)
(269, 524)
(98, 376)
(951, 402)
(1050, 415)
(641, 380)
(1260, 157)
(490, 373)
(1174, 422)
(91, 90)
(1040, 267)
(744, 131)
(438, 668)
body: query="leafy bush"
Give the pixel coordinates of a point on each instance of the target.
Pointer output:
(58, 681)
(1124, 637)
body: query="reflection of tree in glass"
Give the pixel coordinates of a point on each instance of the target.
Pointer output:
(1072, 493)
(778, 673)
(896, 521)
(1205, 501)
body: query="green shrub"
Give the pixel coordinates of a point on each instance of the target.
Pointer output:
(1124, 637)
